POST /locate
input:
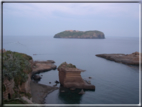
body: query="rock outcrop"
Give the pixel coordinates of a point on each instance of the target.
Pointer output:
(69, 77)
(130, 59)
(41, 66)
(80, 34)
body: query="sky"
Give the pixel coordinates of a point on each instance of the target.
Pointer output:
(48, 19)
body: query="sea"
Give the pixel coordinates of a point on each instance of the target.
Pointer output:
(115, 83)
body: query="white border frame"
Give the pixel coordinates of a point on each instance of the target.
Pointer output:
(90, 1)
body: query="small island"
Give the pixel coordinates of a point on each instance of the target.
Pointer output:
(95, 34)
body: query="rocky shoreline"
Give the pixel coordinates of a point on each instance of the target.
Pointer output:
(31, 92)
(130, 59)
(40, 91)
(42, 66)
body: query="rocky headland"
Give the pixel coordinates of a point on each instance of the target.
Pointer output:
(20, 79)
(130, 59)
(17, 68)
(17, 86)
(95, 34)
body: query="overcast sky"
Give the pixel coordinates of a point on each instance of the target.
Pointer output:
(47, 19)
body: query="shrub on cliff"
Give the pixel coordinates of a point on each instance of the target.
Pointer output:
(14, 65)
(64, 64)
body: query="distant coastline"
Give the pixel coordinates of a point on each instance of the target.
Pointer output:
(95, 34)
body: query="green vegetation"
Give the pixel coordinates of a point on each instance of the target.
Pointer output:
(80, 34)
(16, 66)
(64, 64)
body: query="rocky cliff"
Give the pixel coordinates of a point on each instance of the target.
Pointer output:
(17, 68)
(80, 34)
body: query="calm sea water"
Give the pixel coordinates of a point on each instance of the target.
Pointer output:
(115, 83)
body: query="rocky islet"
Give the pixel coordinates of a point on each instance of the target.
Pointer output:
(69, 77)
